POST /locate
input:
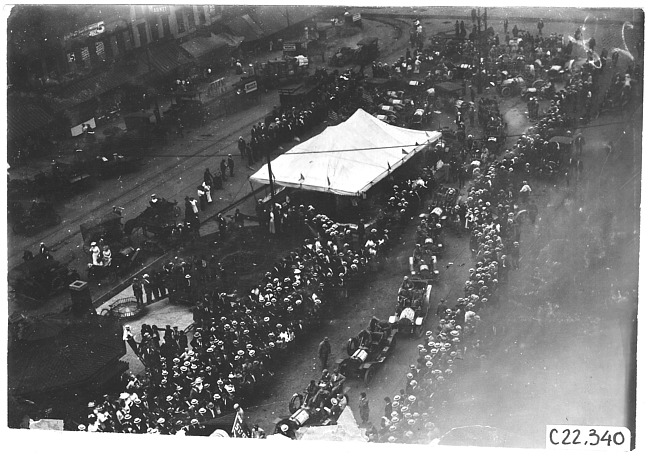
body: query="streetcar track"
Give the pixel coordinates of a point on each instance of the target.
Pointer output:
(152, 181)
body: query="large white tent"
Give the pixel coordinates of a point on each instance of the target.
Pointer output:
(347, 159)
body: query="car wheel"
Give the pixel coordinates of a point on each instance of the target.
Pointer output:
(295, 403)
(353, 345)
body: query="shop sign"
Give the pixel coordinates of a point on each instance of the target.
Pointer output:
(159, 9)
(250, 87)
(89, 30)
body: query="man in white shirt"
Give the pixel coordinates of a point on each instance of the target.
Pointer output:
(525, 192)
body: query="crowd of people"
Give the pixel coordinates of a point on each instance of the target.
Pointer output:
(492, 206)
(237, 339)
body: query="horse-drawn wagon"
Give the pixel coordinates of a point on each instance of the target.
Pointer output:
(108, 230)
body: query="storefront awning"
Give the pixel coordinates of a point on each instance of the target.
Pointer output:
(203, 45)
(165, 58)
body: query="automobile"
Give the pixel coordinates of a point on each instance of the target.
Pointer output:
(544, 89)
(277, 72)
(413, 303)
(423, 264)
(419, 119)
(313, 407)
(389, 119)
(496, 129)
(447, 93)
(368, 350)
(555, 73)
(529, 93)
(511, 86)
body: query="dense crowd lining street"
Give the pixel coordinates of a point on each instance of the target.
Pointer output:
(469, 216)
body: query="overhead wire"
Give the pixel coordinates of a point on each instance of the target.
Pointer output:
(403, 146)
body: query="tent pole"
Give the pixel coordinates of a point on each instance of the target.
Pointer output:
(268, 164)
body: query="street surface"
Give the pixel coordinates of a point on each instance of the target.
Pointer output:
(559, 347)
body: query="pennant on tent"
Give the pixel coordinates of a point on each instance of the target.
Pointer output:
(416, 143)
(302, 178)
(328, 182)
(404, 152)
(425, 132)
(388, 166)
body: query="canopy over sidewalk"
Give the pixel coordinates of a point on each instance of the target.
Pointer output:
(347, 159)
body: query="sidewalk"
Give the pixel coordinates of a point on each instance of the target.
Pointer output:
(160, 313)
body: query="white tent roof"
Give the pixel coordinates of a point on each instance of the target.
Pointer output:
(347, 159)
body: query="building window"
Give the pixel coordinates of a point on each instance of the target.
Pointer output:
(142, 32)
(201, 15)
(100, 50)
(166, 29)
(180, 21)
(85, 57)
(153, 26)
(191, 22)
(139, 12)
